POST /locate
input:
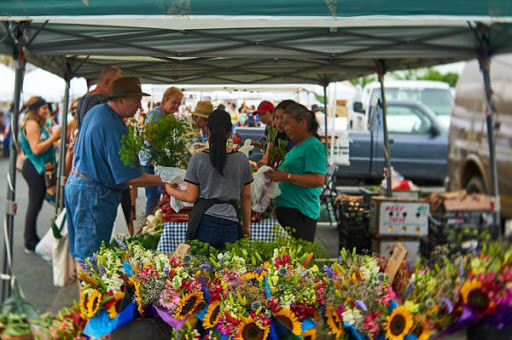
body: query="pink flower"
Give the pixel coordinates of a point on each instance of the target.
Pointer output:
(371, 324)
(387, 295)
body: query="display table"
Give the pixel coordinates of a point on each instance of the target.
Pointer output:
(175, 233)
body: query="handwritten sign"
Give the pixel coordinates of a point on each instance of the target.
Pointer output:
(394, 261)
(181, 250)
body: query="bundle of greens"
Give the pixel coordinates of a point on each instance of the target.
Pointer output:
(275, 153)
(165, 142)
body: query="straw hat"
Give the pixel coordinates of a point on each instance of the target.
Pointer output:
(203, 109)
(127, 87)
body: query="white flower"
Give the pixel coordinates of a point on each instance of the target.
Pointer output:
(351, 316)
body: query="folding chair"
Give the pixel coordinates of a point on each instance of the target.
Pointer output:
(329, 192)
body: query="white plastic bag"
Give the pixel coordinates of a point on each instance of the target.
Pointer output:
(45, 246)
(171, 174)
(263, 189)
(63, 265)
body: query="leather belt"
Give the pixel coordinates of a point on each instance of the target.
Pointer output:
(75, 172)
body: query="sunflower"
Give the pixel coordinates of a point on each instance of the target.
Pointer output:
(115, 307)
(473, 295)
(288, 318)
(136, 286)
(83, 305)
(93, 303)
(250, 330)
(188, 305)
(398, 324)
(335, 323)
(212, 315)
(310, 334)
(421, 328)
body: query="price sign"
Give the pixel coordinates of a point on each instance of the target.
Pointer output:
(394, 261)
(181, 250)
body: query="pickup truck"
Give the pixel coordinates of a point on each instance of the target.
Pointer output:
(256, 134)
(418, 144)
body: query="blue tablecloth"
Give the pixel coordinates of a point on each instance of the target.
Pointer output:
(174, 233)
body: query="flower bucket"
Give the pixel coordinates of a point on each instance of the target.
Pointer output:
(485, 332)
(143, 328)
(17, 337)
(101, 324)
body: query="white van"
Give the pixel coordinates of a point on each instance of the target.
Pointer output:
(436, 95)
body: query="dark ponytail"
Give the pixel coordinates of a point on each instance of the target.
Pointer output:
(219, 125)
(299, 112)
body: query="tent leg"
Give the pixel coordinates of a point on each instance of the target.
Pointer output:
(491, 121)
(11, 180)
(61, 176)
(324, 85)
(387, 154)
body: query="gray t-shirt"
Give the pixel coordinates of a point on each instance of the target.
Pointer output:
(86, 103)
(237, 174)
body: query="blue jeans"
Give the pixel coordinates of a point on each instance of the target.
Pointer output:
(91, 210)
(152, 193)
(217, 231)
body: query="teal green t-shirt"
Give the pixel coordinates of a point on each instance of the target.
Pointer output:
(38, 160)
(309, 156)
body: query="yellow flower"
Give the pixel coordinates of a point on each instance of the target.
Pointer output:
(93, 303)
(115, 307)
(212, 315)
(334, 322)
(83, 305)
(136, 287)
(188, 305)
(412, 307)
(421, 328)
(250, 330)
(399, 324)
(310, 334)
(473, 295)
(288, 318)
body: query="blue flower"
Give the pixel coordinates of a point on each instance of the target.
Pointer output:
(328, 271)
(361, 305)
(448, 304)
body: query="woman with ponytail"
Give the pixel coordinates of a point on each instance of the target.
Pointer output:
(216, 180)
(37, 144)
(301, 175)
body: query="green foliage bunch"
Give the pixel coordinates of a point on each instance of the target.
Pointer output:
(277, 153)
(166, 142)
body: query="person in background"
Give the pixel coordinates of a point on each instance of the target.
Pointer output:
(298, 206)
(100, 94)
(171, 101)
(281, 134)
(216, 180)
(37, 144)
(265, 112)
(93, 190)
(200, 116)
(235, 114)
(71, 133)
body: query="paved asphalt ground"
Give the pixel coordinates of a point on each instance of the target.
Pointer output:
(35, 274)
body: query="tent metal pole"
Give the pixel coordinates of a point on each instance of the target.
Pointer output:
(484, 61)
(11, 207)
(325, 115)
(380, 73)
(61, 176)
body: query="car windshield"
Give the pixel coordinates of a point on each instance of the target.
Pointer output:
(438, 101)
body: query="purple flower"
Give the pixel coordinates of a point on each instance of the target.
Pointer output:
(328, 271)
(448, 304)
(166, 270)
(361, 305)
(206, 266)
(461, 271)
(409, 289)
(340, 260)
(121, 244)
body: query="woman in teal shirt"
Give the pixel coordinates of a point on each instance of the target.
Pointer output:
(37, 144)
(302, 174)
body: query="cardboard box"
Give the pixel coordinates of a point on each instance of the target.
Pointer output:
(398, 217)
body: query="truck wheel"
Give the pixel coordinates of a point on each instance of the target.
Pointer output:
(476, 185)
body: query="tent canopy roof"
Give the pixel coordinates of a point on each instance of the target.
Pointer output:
(247, 42)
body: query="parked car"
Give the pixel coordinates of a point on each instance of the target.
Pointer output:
(435, 95)
(468, 156)
(418, 144)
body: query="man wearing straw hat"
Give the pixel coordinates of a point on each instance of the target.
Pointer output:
(93, 190)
